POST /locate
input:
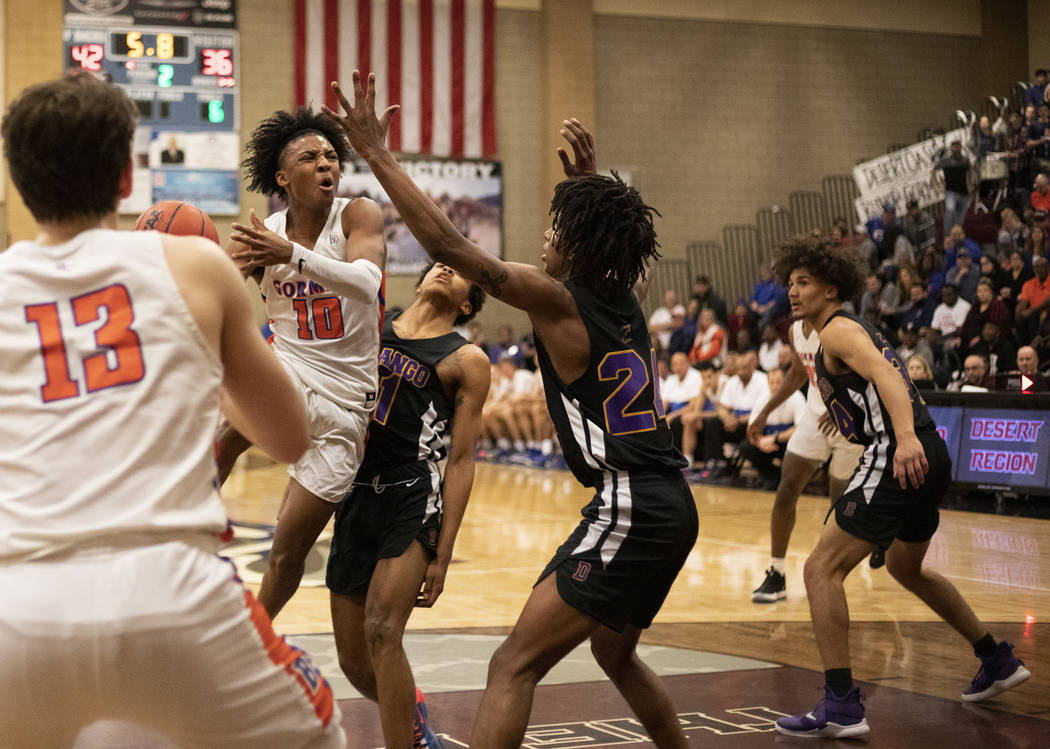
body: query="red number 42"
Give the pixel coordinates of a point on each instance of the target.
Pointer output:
(115, 335)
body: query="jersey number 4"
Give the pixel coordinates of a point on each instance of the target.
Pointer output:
(113, 336)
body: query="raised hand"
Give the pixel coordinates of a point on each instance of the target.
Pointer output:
(582, 143)
(257, 246)
(365, 131)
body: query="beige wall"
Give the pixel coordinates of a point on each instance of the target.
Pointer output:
(1038, 36)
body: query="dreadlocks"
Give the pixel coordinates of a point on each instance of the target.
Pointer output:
(605, 231)
(273, 134)
(832, 265)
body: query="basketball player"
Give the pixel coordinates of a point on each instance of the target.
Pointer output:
(808, 449)
(116, 346)
(608, 580)
(395, 532)
(320, 266)
(891, 500)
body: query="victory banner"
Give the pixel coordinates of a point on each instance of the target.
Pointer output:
(902, 175)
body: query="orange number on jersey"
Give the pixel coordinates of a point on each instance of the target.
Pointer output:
(57, 384)
(115, 334)
(327, 317)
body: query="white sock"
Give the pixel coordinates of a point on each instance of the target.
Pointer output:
(547, 447)
(777, 564)
(519, 445)
(503, 443)
(532, 444)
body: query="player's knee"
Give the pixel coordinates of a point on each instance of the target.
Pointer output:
(382, 633)
(510, 665)
(613, 661)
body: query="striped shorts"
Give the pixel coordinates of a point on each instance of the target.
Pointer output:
(163, 636)
(619, 563)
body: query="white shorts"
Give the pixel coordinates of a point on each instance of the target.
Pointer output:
(337, 444)
(810, 443)
(163, 636)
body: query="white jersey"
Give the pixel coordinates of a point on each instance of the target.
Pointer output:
(806, 347)
(110, 398)
(330, 342)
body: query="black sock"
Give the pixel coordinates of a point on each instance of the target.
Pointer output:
(839, 680)
(985, 647)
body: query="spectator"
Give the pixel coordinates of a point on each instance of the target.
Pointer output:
(1016, 277)
(920, 373)
(769, 350)
(682, 334)
(700, 408)
(950, 315)
(896, 251)
(878, 296)
(663, 371)
(682, 386)
(505, 344)
(780, 425)
(878, 227)
(990, 269)
(710, 341)
(729, 425)
(784, 359)
(705, 294)
(964, 276)
(768, 295)
(1036, 92)
(912, 345)
(738, 320)
(957, 185)
(1041, 197)
(920, 308)
(1015, 230)
(947, 364)
(918, 226)
(1034, 130)
(988, 306)
(955, 241)
(931, 275)
(864, 248)
(1033, 302)
(988, 141)
(502, 417)
(994, 348)
(660, 320)
(1036, 245)
(742, 344)
(1028, 365)
(975, 376)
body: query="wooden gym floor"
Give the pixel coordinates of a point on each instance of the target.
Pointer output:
(912, 665)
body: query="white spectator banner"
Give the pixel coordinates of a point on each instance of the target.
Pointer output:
(902, 175)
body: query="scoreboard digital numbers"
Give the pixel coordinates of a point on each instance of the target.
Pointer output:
(179, 65)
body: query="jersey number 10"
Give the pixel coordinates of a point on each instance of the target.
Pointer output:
(115, 335)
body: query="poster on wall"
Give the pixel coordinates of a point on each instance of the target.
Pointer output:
(902, 175)
(469, 191)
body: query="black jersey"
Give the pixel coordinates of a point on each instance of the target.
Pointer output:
(855, 404)
(413, 413)
(611, 418)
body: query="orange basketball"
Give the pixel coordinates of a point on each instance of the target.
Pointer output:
(176, 217)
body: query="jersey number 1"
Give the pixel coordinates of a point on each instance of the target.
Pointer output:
(115, 335)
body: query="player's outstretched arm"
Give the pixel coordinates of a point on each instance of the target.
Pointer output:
(459, 471)
(522, 286)
(258, 398)
(847, 341)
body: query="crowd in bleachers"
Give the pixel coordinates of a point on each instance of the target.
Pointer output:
(966, 301)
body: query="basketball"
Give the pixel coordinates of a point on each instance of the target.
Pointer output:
(176, 217)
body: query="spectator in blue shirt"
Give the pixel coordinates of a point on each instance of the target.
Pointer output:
(955, 241)
(768, 296)
(1037, 89)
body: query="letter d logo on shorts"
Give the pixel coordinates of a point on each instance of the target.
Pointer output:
(851, 507)
(582, 571)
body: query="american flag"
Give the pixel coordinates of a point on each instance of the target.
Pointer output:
(435, 58)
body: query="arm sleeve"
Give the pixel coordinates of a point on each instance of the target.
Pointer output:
(359, 280)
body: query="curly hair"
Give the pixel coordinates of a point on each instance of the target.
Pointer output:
(832, 265)
(476, 297)
(605, 231)
(273, 135)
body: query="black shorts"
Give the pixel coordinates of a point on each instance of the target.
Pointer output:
(875, 508)
(620, 562)
(379, 521)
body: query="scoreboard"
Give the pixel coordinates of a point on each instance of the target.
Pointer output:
(178, 61)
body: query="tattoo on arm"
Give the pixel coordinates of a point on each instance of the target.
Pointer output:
(493, 283)
(459, 399)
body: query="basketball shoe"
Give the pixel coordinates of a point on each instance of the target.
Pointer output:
(833, 718)
(423, 737)
(998, 672)
(772, 589)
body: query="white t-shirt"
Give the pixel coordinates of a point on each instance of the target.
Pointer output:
(949, 320)
(769, 355)
(661, 316)
(784, 416)
(740, 398)
(676, 393)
